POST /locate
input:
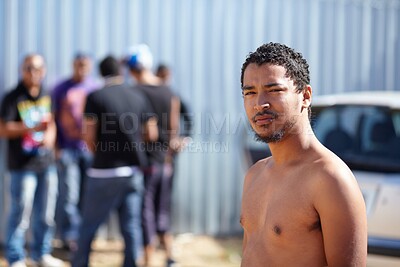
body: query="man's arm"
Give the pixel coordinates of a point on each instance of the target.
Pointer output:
(341, 208)
(50, 134)
(244, 243)
(15, 129)
(245, 204)
(150, 130)
(175, 142)
(175, 116)
(243, 211)
(89, 129)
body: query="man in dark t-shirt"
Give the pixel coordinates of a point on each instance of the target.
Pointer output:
(158, 178)
(117, 123)
(27, 123)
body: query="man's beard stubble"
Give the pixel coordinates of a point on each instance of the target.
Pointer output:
(276, 135)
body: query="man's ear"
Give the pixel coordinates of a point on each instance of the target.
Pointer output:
(307, 96)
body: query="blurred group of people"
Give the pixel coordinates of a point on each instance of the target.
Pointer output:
(84, 149)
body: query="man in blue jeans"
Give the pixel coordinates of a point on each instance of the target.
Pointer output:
(117, 122)
(69, 98)
(27, 123)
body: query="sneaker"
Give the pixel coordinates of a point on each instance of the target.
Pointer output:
(171, 263)
(49, 261)
(20, 263)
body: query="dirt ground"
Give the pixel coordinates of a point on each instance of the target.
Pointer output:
(189, 251)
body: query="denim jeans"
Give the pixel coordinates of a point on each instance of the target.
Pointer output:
(101, 196)
(72, 165)
(32, 193)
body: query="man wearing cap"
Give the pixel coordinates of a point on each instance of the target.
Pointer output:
(158, 184)
(27, 123)
(69, 98)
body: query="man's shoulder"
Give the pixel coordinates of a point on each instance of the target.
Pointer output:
(96, 94)
(330, 173)
(168, 89)
(262, 162)
(63, 85)
(10, 94)
(116, 92)
(13, 94)
(91, 82)
(140, 93)
(257, 168)
(330, 164)
(159, 90)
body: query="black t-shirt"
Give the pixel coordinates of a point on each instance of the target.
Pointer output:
(120, 112)
(26, 152)
(160, 98)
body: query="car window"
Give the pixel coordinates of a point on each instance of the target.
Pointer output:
(396, 122)
(365, 137)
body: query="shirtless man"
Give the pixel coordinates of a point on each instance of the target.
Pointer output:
(302, 206)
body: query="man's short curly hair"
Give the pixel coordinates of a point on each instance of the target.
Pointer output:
(296, 66)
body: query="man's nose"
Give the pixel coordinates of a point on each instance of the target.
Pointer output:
(262, 105)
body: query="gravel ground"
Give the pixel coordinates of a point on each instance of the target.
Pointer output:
(189, 251)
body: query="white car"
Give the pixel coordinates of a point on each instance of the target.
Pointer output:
(363, 129)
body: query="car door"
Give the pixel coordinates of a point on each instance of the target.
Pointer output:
(367, 138)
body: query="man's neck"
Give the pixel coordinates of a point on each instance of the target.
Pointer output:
(148, 78)
(113, 80)
(291, 147)
(33, 90)
(78, 79)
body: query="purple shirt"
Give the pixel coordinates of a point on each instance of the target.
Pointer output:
(69, 98)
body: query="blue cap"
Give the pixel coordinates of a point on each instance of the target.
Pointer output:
(139, 57)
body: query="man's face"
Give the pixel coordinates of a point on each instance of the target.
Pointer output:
(82, 68)
(271, 102)
(164, 75)
(33, 71)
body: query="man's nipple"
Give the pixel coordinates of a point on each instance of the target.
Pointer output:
(241, 220)
(277, 230)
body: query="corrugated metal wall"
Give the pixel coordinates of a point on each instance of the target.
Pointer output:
(350, 45)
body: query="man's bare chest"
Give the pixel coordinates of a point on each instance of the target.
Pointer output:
(279, 208)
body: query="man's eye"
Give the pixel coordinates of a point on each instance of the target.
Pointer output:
(248, 93)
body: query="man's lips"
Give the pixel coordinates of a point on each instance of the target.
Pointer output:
(265, 118)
